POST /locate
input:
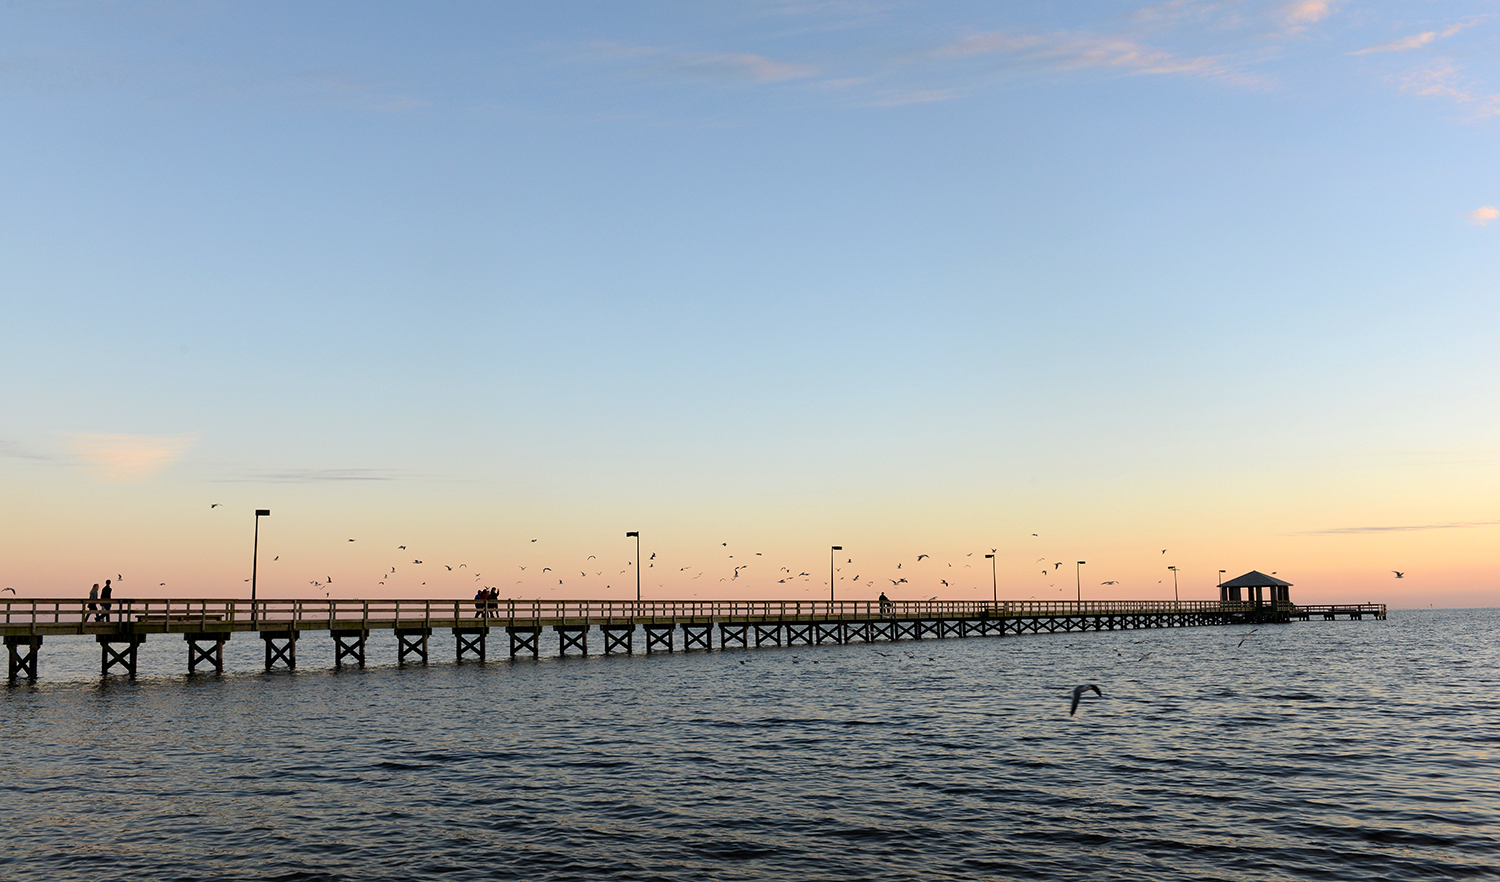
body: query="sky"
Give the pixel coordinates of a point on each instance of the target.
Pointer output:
(1203, 283)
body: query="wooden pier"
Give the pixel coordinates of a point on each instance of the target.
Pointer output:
(205, 625)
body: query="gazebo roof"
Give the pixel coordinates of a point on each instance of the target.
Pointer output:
(1255, 579)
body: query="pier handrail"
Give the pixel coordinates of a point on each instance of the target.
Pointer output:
(74, 615)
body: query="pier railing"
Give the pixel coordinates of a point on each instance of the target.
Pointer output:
(58, 615)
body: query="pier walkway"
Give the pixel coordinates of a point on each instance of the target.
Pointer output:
(205, 624)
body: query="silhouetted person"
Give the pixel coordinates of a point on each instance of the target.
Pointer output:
(93, 607)
(105, 596)
(885, 604)
(481, 607)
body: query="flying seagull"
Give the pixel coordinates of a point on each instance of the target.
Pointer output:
(1399, 574)
(215, 505)
(1247, 636)
(920, 556)
(1078, 693)
(13, 591)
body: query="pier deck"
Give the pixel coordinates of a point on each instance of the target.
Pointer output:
(205, 624)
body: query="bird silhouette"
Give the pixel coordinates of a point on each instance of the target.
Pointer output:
(1110, 582)
(13, 591)
(920, 556)
(1078, 693)
(416, 561)
(215, 505)
(1399, 574)
(450, 569)
(402, 547)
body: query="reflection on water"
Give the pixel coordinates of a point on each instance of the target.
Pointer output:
(1337, 750)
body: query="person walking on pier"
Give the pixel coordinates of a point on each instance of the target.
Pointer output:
(93, 607)
(481, 604)
(105, 596)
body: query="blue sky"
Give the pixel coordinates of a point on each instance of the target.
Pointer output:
(1213, 275)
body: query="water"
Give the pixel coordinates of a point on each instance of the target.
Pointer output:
(1322, 750)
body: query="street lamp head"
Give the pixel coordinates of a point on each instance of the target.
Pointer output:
(989, 557)
(838, 548)
(1173, 569)
(1082, 562)
(635, 533)
(262, 512)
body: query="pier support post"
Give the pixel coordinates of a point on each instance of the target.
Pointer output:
(910, 630)
(697, 637)
(767, 634)
(349, 643)
(206, 647)
(828, 632)
(732, 633)
(470, 639)
(658, 636)
(883, 630)
(281, 646)
(23, 663)
(572, 637)
(618, 637)
(109, 656)
(523, 639)
(411, 641)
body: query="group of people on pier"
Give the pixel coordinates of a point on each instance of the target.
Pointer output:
(486, 602)
(98, 614)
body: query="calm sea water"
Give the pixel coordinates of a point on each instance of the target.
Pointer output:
(1323, 750)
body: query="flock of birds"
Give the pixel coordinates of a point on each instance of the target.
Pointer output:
(728, 570)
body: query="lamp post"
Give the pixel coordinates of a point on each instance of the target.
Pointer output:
(255, 558)
(1078, 578)
(994, 582)
(830, 571)
(1221, 582)
(637, 535)
(1175, 598)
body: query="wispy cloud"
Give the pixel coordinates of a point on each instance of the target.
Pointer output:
(734, 66)
(14, 450)
(727, 67)
(314, 476)
(1417, 41)
(1481, 217)
(1077, 51)
(1302, 14)
(1447, 80)
(1403, 528)
(129, 457)
(901, 97)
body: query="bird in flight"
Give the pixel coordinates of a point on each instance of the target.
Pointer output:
(1056, 565)
(351, 540)
(920, 556)
(402, 547)
(1247, 636)
(450, 569)
(13, 591)
(1399, 574)
(533, 540)
(416, 561)
(945, 582)
(1078, 693)
(215, 505)
(1110, 582)
(1163, 551)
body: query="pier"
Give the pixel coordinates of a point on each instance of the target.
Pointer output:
(204, 625)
